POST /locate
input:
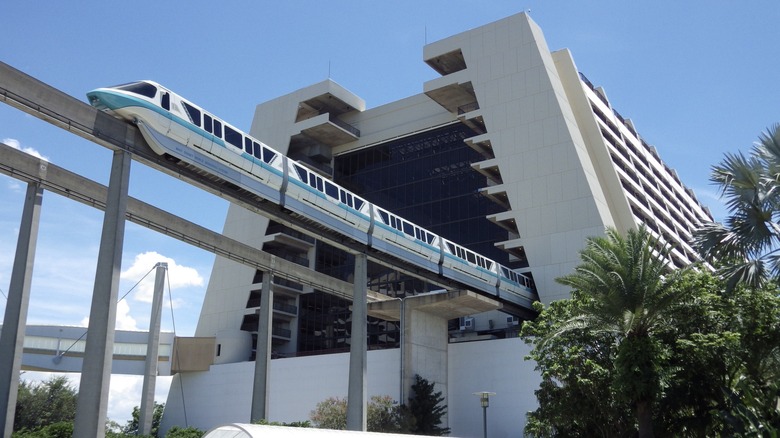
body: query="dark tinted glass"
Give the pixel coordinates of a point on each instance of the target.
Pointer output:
(142, 88)
(428, 179)
(233, 137)
(193, 112)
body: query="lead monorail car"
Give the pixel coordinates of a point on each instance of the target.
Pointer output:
(176, 127)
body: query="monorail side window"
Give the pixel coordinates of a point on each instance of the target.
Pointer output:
(343, 196)
(268, 155)
(217, 128)
(165, 101)
(385, 217)
(408, 229)
(248, 145)
(233, 137)
(331, 190)
(207, 123)
(193, 112)
(303, 174)
(357, 203)
(258, 151)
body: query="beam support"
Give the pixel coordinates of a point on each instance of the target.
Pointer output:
(92, 405)
(15, 322)
(356, 395)
(263, 350)
(146, 412)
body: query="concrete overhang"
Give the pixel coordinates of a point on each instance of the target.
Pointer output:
(447, 63)
(481, 143)
(497, 194)
(448, 305)
(505, 220)
(327, 130)
(453, 91)
(490, 169)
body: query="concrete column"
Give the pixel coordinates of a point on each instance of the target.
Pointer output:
(263, 351)
(12, 337)
(92, 403)
(146, 412)
(356, 395)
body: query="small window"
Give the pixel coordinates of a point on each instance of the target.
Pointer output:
(319, 185)
(357, 203)
(233, 137)
(385, 217)
(350, 200)
(207, 125)
(268, 155)
(165, 101)
(217, 128)
(409, 229)
(193, 112)
(331, 190)
(313, 180)
(248, 145)
(343, 196)
(303, 174)
(258, 151)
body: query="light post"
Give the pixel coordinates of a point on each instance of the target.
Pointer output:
(484, 400)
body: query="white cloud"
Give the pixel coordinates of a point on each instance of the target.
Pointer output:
(123, 319)
(178, 276)
(14, 143)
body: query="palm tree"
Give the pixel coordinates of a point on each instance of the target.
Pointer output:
(746, 246)
(626, 282)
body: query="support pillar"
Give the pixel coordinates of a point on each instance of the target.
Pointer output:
(15, 322)
(263, 351)
(146, 412)
(356, 395)
(92, 405)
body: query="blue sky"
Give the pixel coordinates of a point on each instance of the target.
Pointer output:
(697, 82)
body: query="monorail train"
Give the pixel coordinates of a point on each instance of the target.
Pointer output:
(176, 127)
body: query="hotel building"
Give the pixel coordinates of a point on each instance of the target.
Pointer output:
(511, 152)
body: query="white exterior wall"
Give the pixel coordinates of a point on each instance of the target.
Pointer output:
(556, 197)
(223, 394)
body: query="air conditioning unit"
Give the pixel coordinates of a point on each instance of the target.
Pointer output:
(467, 324)
(512, 320)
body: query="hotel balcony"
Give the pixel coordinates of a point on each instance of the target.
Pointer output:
(505, 220)
(498, 195)
(447, 63)
(320, 111)
(454, 92)
(489, 168)
(481, 143)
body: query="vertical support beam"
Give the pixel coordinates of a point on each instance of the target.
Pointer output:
(356, 395)
(263, 351)
(15, 322)
(92, 405)
(146, 412)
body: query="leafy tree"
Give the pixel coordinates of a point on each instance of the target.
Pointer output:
(133, 427)
(45, 403)
(710, 341)
(745, 247)
(330, 413)
(384, 415)
(62, 429)
(184, 432)
(626, 286)
(278, 423)
(426, 409)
